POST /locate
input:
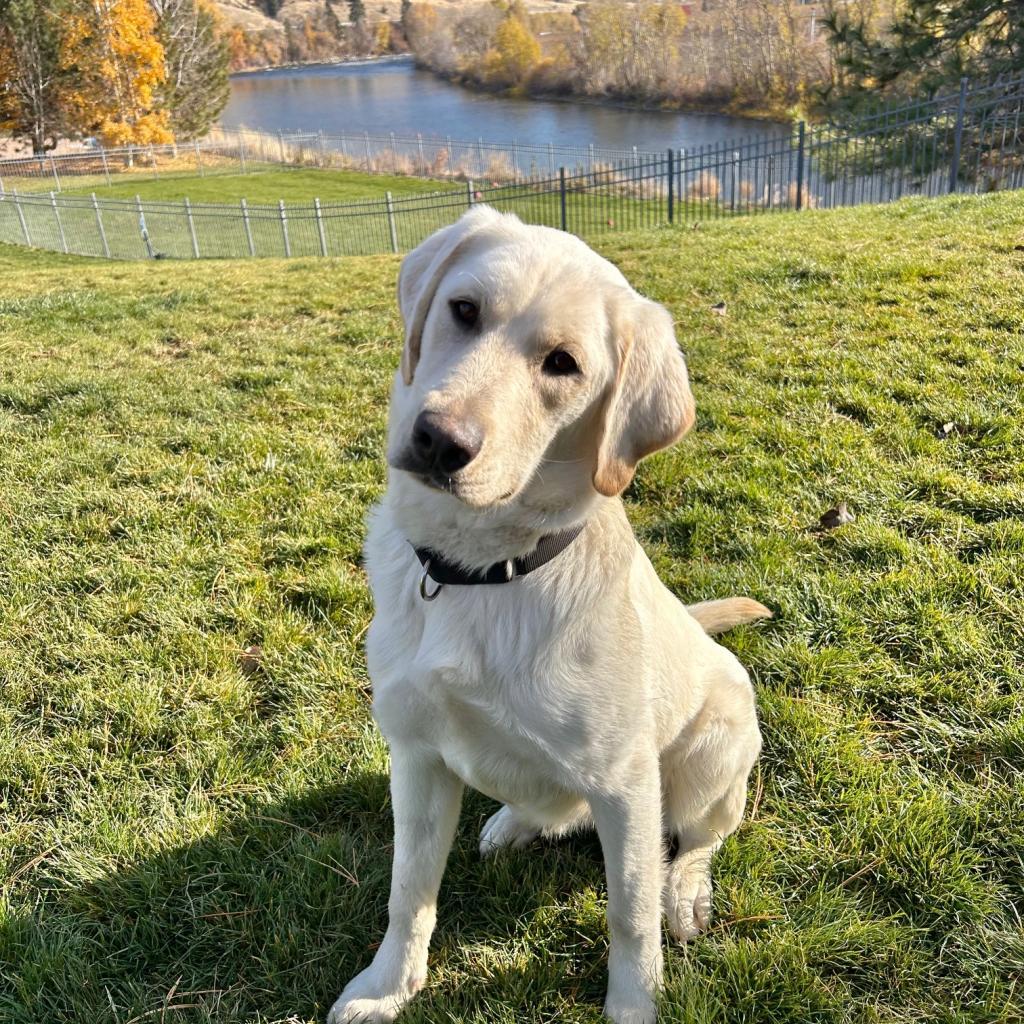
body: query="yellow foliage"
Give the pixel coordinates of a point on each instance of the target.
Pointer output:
(514, 54)
(112, 47)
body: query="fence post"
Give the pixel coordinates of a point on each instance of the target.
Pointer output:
(241, 153)
(53, 167)
(320, 226)
(106, 167)
(561, 197)
(469, 191)
(954, 167)
(284, 227)
(191, 229)
(423, 159)
(152, 160)
(60, 226)
(99, 226)
(143, 230)
(248, 228)
(734, 191)
(671, 187)
(391, 222)
(199, 159)
(800, 168)
(323, 153)
(1, 184)
(21, 217)
(551, 157)
(394, 154)
(366, 146)
(280, 144)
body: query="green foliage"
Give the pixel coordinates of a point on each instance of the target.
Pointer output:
(189, 453)
(931, 45)
(196, 55)
(356, 11)
(33, 81)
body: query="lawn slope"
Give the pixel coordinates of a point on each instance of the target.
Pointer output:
(187, 835)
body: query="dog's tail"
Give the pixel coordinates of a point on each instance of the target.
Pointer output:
(718, 616)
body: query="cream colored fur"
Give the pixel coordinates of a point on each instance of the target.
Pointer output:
(584, 694)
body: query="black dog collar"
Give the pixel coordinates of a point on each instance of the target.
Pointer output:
(443, 572)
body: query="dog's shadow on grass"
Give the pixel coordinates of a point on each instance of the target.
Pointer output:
(266, 917)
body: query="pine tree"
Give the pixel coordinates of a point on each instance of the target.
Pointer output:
(932, 45)
(196, 56)
(356, 11)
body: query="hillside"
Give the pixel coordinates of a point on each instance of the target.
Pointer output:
(251, 14)
(194, 823)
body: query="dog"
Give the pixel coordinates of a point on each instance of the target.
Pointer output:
(522, 643)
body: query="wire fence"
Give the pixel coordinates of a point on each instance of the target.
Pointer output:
(970, 141)
(245, 151)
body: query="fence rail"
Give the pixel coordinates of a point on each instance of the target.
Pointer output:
(245, 151)
(967, 142)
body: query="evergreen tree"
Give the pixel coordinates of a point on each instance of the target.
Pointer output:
(931, 45)
(196, 55)
(356, 11)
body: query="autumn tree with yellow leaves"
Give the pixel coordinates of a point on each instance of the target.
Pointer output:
(118, 65)
(125, 71)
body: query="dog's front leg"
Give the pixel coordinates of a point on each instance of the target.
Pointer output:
(628, 820)
(425, 798)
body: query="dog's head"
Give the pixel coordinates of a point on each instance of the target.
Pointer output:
(532, 372)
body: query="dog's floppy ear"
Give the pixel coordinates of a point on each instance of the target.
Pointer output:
(650, 405)
(422, 272)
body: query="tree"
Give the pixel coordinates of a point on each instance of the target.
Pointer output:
(32, 80)
(356, 11)
(111, 50)
(931, 45)
(514, 54)
(196, 57)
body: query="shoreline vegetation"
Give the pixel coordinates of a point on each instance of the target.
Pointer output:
(620, 103)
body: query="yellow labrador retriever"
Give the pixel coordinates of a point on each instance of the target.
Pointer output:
(522, 643)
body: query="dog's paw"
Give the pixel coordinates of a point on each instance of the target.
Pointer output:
(503, 829)
(688, 908)
(641, 1011)
(362, 1002)
(363, 1011)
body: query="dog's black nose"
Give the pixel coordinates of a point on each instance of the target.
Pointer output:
(444, 444)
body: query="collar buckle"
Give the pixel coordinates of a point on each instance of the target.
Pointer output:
(424, 593)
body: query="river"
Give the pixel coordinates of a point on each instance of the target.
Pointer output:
(396, 96)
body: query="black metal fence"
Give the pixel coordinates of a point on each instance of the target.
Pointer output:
(970, 141)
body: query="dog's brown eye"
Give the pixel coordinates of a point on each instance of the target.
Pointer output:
(464, 311)
(560, 363)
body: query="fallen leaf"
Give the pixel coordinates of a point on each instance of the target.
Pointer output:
(719, 309)
(251, 660)
(946, 429)
(836, 517)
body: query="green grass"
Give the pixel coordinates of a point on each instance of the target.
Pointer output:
(189, 451)
(265, 186)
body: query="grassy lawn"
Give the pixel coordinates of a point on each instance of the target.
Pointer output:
(189, 451)
(267, 186)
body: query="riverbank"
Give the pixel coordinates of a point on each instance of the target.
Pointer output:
(775, 113)
(388, 58)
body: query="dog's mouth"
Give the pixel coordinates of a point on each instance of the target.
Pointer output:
(463, 490)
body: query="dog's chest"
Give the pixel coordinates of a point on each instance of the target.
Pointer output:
(490, 681)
